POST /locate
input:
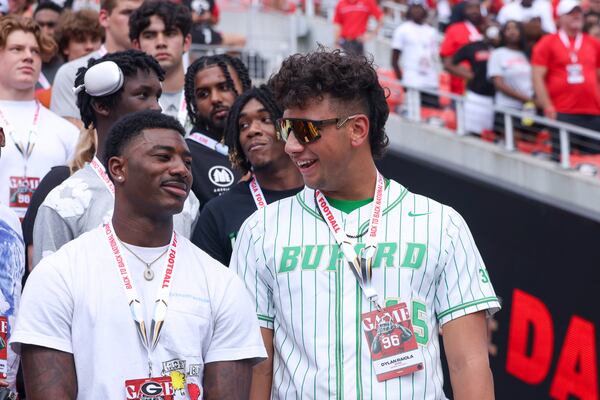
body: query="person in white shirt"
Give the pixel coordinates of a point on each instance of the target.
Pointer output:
(85, 333)
(12, 268)
(527, 10)
(114, 17)
(510, 70)
(36, 138)
(417, 43)
(161, 29)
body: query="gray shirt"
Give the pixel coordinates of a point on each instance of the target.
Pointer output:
(82, 203)
(514, 68)
(64, 101)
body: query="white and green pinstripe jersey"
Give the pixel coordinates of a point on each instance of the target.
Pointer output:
(306, 293)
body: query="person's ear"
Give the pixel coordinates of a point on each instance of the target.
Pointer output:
(136, 44)
(359, 130)
(187, 42)
(117, 168)
(2, 137)
(100, 109)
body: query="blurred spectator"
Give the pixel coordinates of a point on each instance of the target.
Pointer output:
(459, 34)
(526, 10)
(479, 100)
(510, 72)
(12, 267)
(351, 18)
(47, 15)
(37, 139)
(565, 77)
(417, 43)
(161, 29)
(79, 34)
(592, 29)
(509, 68)
(114, 18)
(23, 8)
(593, 7)
(205, 14)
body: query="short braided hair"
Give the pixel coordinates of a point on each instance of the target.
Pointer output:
(349, 80)
(222, 61)
(232, 130)
(130, 62)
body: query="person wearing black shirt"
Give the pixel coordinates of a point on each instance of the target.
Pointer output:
(479, 99)
(253, 147)
(212, 83)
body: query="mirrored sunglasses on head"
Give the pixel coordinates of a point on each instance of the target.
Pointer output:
(306, 130)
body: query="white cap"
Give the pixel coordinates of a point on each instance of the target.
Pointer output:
(566, 6)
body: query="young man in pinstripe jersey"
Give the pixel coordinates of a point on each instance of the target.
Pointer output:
(307, 259)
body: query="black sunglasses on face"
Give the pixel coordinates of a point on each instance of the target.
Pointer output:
(306, 130)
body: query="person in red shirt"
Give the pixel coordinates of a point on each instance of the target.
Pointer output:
(351, 18)
(459, 34)
(565, 77)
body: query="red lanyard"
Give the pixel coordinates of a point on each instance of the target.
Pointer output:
(362, 268)
(257, 194)
(24, 149)
(101, 172)
(210, 143)
(161, 303)
(573, 50)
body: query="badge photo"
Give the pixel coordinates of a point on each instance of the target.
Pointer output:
(392, 342)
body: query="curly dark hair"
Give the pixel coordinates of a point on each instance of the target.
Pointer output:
(173, 16)
(349, 80)
(221, 60)
(232, 130)
(134, 124)
(130, 62)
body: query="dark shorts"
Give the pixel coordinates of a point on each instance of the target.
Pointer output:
(352, 46)
(205, 34)
(579, 143)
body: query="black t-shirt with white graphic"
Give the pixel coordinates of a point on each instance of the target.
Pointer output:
(221, 219)
(212, 171)
(477, 55)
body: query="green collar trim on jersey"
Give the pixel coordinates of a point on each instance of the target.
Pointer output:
(348, 206)
(311, 211)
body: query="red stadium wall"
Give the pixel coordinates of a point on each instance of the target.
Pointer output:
(544, 263)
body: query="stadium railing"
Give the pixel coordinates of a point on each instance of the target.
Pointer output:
(412, 110)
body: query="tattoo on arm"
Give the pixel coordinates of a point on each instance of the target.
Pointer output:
(48, 373)
(227, 380)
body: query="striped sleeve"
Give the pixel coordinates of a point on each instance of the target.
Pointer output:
(248, 261)
(463, 286)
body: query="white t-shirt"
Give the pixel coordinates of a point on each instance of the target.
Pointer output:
(74, 302)
(514, 67)
(54, 145)
(419, 47)
(514, 11)
(12, 268)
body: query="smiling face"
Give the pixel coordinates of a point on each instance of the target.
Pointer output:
(323, 163)
(21, 62)
(156, 171)
(258, 139)
(165, 45)
(214, 96)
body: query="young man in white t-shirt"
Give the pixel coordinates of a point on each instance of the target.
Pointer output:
(161, 29)
(85, 333)
(417, 43)
(36, 138)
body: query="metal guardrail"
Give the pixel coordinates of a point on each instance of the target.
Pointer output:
(413, 108)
